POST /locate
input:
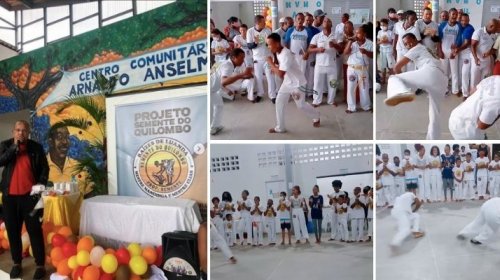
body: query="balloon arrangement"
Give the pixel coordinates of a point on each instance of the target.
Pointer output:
(427, 4)
(82, 259)
(266, 12)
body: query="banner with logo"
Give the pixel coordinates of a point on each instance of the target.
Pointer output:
(161, 148)
(293, 7)
(472, 7)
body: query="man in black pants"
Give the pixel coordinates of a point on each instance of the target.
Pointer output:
(25, 165)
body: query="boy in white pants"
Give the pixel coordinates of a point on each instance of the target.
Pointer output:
(407, 218)
(494, 176)
(325, 71)
(293, 84)
(218, 241)
(360, 52)
(482, 174)
(341, 211)
(449, 32)
(385, 40)
(399, 178)
(270, 221)
(419, 163)
(387, 171)
(298, 219)
(458, 178)
(468, 183)
(229, 229)
(284, 216)
(245, 225)
(357, 215)
(485, 225)
(333, 201)
(257, 223)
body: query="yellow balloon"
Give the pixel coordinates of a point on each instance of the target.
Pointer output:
(72, 263)
(5, 235)
(83, 258)
(49, 237)
(109, 263)
(31, 251)
(134, 249)
(138, 265)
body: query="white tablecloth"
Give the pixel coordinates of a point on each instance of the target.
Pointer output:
(115, 220)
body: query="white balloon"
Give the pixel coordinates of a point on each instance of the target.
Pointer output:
(96, 255)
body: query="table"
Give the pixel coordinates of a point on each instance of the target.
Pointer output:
(63, 210)
(118, 220)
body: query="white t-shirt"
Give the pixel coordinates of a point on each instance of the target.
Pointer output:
(226, 207)
(457, 171)
(294, 78)
(427, 41)
(469, 175)
(321, 40)
(389, 35)
(417, 161)
(483, 162)
(356, 57)
(261, 52)
(257, 217)
(221, 69)
(358, 212)
(386, 178)
(404, 202)
(283, 213)
(296, 202)
(485, 40)
(494, 164)
(450, 34)
(408, 167)
(244, 213)
(337, 194)
(228, 226)
(434, 161)
(484, 104)
(282, 34)
(422, 57)
(400, 31)
(339, 31)
(398, 170)
(220, 45)
(298, 41)
(341, 213)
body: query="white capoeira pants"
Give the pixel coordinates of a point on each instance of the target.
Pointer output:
(459, 190)
(334, 224)
(370, 227)
(238, 85)
(494, 186)
(260, 69)
(270, 223)
(479, 72)
(465, 62)
(399, 186)
(258, 232)
(450, 66)
(433, 81)
(482, 183)
(343, 231)
(407, 223)
(357, 229)
(434, 186)
(310, 72)
(468, 189)
(245, 225)
(217, 106)
(300, 100)
(219, 242)
(421, 183)
(389, 194)
(360, 78)
(486, 224)
(299, 224)
(325, 79)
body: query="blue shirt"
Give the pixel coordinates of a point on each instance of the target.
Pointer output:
(459, 35)
(316, 206)
(466, 34)
(311, 31)
(448, 164)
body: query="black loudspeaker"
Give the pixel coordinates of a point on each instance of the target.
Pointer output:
(180, 255)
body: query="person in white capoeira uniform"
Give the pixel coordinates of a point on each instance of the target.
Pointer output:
(298, 219)
(469, 167)
(326, 48)
(386, 171)
(429, 76)
(293, 84)
(449, 35)
(478, 112)
(333, 200)
(428, 30)
(400, 29)
(219, 242)
(399, 178)
(227, 77)
(245, 224)
(494, 176)
(407, 218)
(464, 54)
(434, 186)
(458, 179)
(485, 225)
(256, 41)
(385, 39)
(419, 163)
(482, 163)
(482, 42)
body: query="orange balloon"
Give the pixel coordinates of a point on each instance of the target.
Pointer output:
(56, 254)
(23, 230)
(47, 227)
(149, 254)
(91, 273)
(48, 260)
(65, 231)
(56, 229)
(5, 244)
(135, 277)
(86, 243)
(63, 268)
(110, 251)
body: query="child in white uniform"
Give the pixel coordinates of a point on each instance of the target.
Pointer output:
(333, 201)
(229, 230)
(419, 166)
(385, 40)
(341, 211)
(399, 179)
(299, 220)
(434, 187)
(357, 215)
(494, 176)
(485, 225)
(407, 218)
(217, 217)
(270, 222)
(387, 171)
(482, 174)
(245, 225)
(257, 223)
(219, 47)
(458, 178)
(468, 182)
(284, 216)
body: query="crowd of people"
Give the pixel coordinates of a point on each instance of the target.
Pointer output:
(307, 56)
(244, 222)
(466, 172)
(446, 58)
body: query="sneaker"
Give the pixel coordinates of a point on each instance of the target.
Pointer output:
(16, 271)
(216, 130)
(273, 100)
(460, 237)
(257, 99)
(475, 242)
(39, 273)
(316, 123)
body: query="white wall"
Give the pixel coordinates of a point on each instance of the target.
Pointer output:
(6, 53)
(221, 11)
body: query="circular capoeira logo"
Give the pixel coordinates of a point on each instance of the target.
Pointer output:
(333, 83)
(164, 167)
(466, 61)
(352, 78)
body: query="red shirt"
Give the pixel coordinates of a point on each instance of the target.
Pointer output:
(22, 177)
